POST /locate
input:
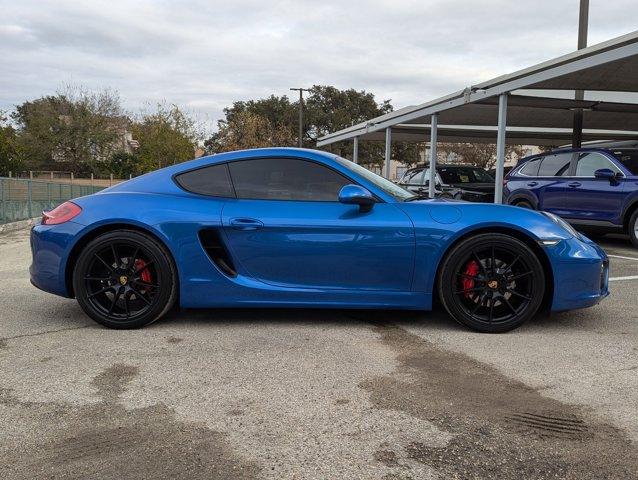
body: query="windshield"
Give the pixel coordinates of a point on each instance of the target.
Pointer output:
(629, 158)
(384, 184)
(464, 175)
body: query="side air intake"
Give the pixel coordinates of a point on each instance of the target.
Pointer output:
(216, 250)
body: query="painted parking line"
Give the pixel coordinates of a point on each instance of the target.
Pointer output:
(630, 277)
(620, 256)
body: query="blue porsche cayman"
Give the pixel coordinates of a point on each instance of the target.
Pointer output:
(282, 227)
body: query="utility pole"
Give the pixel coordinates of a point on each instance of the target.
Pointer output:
(300, 90)
(583, 23)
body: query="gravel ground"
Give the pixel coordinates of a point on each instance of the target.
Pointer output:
(315, 394)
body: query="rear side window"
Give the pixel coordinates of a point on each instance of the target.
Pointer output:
(414, 176)
(629, 159)
(213, 181)
(530, 168)
(556, 165)
(286, 179)
(589, 162)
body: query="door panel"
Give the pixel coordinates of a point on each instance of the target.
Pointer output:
(590, 198)
(551, 182)
(325, 245)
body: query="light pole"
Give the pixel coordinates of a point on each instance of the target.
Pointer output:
(300, 90)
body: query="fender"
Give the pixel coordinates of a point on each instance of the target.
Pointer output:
(629, 205)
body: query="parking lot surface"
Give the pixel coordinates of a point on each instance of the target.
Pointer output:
(316, 394)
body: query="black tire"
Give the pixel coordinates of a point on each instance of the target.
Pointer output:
(632, 228)
(125, 279)
(524, 204)
(491, 283)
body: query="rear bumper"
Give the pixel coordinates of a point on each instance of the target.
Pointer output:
(50, 249)
(581, 274)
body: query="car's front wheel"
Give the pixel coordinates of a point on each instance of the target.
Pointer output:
(633, 228)
(124, 279)
(491, 283)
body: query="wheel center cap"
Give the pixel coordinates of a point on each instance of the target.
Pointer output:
(123, 280)
(493, 284)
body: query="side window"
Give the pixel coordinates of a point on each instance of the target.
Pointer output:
(420, 177)
(286, 179)
(589, 162)
(530, 168)
(411, 176)
(556, 165)
(213, 181)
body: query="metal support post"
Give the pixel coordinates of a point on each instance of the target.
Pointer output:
(434, 123)
(500, 147)
(355, 150)
(388, 152)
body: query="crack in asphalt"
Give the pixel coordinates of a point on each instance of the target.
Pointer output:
(37, 334)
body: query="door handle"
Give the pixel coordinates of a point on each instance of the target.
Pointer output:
(532, 184)
(573, 184)
(246, 223)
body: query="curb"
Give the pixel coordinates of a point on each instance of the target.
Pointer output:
(19, 225)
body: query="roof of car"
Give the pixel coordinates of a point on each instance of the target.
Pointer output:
(445, 165)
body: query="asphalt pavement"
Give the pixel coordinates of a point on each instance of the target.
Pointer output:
(316, 394)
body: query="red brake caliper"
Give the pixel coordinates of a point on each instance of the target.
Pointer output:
(145, 274)
(471, 270)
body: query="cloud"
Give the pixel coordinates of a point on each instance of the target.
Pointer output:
(206, 54)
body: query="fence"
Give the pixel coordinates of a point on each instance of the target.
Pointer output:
(21, 199)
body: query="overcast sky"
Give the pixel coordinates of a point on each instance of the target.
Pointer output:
(206, 54)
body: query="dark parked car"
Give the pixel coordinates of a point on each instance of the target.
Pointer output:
(506, 170)
(592, 188)
(463, 182)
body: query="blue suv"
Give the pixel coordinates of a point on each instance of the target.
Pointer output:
(594, 189)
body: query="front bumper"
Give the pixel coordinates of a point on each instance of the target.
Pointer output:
(581, 273)
(50, 249)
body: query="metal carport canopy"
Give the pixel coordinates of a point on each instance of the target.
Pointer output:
(608, 66)
(536, 113)
(416, 133)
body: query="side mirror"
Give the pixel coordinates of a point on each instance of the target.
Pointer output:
(605, 173)
(357, 195)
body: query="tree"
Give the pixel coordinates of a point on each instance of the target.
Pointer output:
(248, 130)
(326, 109)
(480, 154)
(267, 122)
(166, 136)
(11, 159)
(121, 165)
(74, 126)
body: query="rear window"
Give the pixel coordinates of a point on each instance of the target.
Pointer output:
(464, 175)
(213, 181)
(629, 158)
(556, 165)
(530, 168)
(413, 176)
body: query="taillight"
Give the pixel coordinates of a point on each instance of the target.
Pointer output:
(60, 214)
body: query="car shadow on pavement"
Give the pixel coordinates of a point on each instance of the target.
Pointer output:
(435, 320)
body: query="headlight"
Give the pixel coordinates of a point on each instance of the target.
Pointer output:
(561, 223)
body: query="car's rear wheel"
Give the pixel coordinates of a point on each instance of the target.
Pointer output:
(124, 279)
(491, 283)
(633, 228)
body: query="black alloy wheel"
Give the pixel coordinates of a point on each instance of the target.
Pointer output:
(124, 279)
(491, 283)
